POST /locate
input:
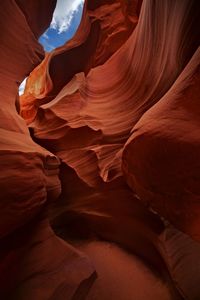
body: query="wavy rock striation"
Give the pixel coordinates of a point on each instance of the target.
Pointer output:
(117, 105)
(34, 263)
(105, 26)
(161, 158)
(126, 108)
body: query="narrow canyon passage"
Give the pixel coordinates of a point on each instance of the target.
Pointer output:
(100, 150)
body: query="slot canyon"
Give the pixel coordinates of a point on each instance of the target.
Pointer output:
(100, 155)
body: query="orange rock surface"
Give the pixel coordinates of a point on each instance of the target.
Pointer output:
(103, 29)
(34, 262)
(117, 108)
(161, 158)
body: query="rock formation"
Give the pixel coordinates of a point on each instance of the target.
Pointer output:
(114, 112)
(33, 260)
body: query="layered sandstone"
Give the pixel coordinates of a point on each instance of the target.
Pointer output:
(118, 107)
(34, 262)
(104, 27)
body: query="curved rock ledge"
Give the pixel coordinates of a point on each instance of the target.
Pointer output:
(111, 152)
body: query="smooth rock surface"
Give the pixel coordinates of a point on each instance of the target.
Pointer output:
(34, 263)
(111, 152)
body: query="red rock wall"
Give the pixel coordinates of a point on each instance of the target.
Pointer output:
(118, 105)
(90, 119)
(83, 133)
(105, 26)
(161, 158)
(132, 114)
(33, 261)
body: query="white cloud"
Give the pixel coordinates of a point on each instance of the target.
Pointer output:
(45, 36)
(63, 14)
(22, 86)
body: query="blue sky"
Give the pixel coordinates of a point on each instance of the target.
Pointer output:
(65, 21)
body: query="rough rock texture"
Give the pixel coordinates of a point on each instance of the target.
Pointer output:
(117, 105)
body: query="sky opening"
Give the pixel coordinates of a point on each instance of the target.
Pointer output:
(65, 21)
